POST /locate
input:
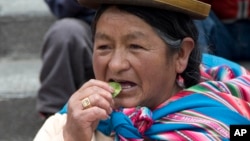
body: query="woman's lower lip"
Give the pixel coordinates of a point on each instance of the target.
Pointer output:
(128, 90)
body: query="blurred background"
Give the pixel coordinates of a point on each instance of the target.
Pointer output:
(23, 24)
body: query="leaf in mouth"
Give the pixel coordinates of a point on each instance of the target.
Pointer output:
(117, 87)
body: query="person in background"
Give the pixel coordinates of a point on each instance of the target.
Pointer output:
(169, 90)
(226, 31)
(66, 55)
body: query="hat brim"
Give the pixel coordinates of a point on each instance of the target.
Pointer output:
(196, 9)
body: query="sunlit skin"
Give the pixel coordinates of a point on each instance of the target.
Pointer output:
(128, 50)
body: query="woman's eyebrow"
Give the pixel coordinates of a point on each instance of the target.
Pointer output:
(135, 35)
(129, 36)
(102, 36)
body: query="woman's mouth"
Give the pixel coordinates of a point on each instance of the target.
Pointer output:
(127, 85)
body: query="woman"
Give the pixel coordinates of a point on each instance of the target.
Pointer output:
(152, 53)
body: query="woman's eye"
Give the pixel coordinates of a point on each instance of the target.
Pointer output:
(103, 47)
(134, 46)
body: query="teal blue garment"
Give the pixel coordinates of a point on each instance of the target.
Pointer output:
(213, 61)
(64, 109)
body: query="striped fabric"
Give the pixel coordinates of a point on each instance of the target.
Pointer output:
(202, 112)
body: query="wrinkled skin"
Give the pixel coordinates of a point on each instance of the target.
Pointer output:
(126, 50)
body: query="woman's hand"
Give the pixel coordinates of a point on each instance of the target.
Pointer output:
(82, 121)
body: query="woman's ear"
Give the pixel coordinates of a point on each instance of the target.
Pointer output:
(184, 53)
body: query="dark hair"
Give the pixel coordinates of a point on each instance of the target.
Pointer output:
(172, 27)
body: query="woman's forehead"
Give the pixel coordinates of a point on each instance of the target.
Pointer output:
(114, 20)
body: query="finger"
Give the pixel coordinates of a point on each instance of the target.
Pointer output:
(95, 90)
(94, 114)
(87, 118)
(101, 102)
(98, 83)
(80, 95)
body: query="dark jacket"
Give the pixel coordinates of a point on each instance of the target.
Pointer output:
(70, 8)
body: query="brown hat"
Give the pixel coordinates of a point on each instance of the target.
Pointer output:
(196, 9)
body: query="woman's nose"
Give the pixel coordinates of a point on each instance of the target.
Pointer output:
(119, 62)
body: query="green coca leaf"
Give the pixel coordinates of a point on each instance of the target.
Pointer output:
(117, 87)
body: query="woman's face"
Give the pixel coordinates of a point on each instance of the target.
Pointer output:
(128, 51)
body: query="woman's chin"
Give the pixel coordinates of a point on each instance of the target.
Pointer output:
(124, 104)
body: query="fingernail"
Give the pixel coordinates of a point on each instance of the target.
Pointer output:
(110, 110)
(108, 117)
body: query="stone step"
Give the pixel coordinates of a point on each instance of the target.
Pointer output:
(23, 24)
(19, 82)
